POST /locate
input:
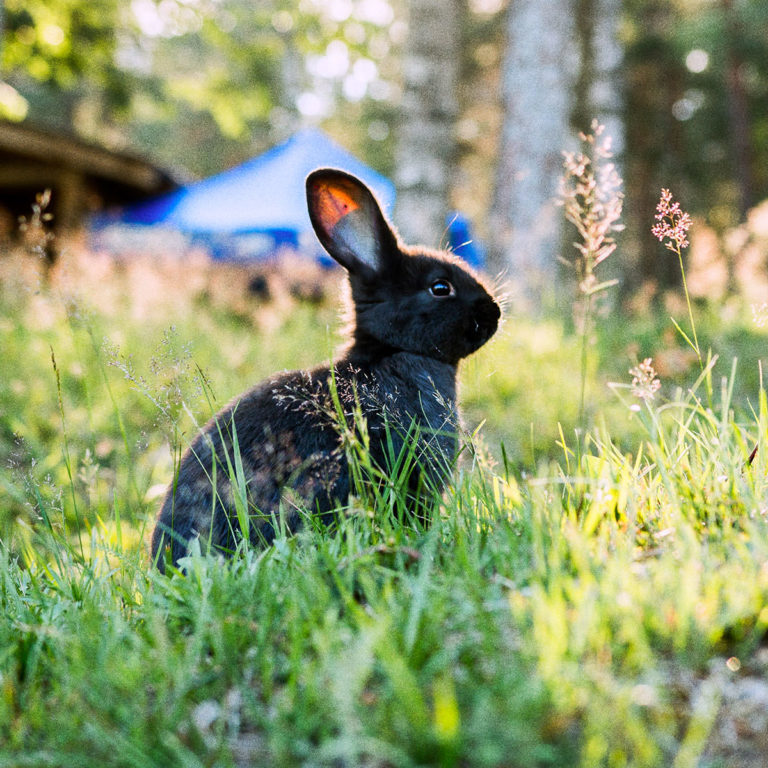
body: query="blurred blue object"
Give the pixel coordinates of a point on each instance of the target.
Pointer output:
(461, 241)
(256, 208)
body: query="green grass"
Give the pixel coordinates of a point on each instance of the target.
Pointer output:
(574, 596)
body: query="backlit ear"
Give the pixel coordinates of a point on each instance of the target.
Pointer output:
(348, 220)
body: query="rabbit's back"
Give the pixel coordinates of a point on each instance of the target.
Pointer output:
(281, 433)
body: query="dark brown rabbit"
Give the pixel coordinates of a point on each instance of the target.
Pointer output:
(416, 313)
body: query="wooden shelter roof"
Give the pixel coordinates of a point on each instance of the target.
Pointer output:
(83, 177)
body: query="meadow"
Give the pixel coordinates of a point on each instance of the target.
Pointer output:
(594, 591)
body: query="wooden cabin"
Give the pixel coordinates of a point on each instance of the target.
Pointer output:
(83, 177)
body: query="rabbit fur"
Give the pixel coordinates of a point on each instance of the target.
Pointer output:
(415, 313)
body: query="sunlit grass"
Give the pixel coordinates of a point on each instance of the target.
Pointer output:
(581, 599)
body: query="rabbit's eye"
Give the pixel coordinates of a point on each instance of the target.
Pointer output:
(441, 289)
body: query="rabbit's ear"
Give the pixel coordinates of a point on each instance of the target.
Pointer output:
(348, 220)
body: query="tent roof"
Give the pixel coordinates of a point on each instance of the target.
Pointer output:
(263, 194)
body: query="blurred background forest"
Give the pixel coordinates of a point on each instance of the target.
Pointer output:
(465, 104)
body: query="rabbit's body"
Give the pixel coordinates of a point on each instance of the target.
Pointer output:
(291, 450)
(416, 314)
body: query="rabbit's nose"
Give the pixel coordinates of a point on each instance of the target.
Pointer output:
(485, 319)
(486, 312)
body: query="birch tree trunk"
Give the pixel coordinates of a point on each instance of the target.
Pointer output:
(426, 146)
(285, 119)
(536, 79)
(559, 73)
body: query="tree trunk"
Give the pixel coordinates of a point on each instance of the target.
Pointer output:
(738, 112)
(426, 147)
(285, 119)
(559, 73)
(598, 90)
(535, 90)
(656, 81)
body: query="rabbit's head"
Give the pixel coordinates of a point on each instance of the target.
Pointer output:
(408, 299)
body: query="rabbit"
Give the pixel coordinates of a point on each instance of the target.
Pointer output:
(415, 313)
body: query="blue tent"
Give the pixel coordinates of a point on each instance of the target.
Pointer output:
(255, 208)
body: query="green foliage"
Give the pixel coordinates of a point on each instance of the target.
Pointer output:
(566, 607)
(60, 41)
(180, 78)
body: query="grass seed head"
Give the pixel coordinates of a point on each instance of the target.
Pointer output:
(645, 383)
(672, 224)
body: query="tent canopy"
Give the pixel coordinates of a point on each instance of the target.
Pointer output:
(263, 195)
